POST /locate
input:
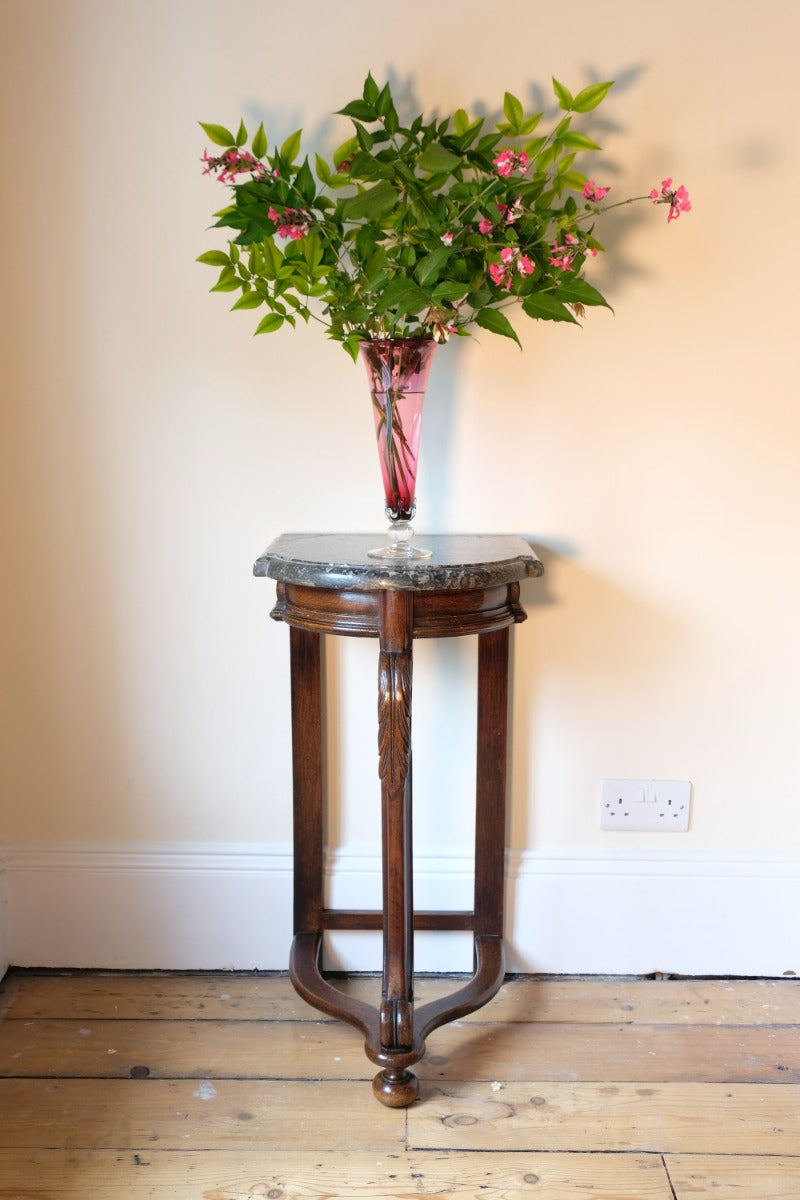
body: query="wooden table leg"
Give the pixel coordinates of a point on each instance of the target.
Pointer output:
(306, 684)
(490, 796)
(396, 1087)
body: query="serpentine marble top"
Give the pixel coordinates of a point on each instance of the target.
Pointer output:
(340, 560)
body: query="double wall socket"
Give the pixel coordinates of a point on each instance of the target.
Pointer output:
(646, 805)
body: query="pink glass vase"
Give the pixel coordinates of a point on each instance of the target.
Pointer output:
(397, 372)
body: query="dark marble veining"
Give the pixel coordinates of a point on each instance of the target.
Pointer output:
(340, 560)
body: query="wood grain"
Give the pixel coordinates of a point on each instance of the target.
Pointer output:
(223, 996)
(734, 1177)
(669, 1118)
(113, 1114)
(291, 1050)
(222, 1175)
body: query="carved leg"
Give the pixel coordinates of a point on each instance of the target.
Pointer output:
(396, 1088)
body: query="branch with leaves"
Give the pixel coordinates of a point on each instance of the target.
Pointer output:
(425, 229)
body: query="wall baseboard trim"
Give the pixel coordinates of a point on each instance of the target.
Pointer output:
(200, 907)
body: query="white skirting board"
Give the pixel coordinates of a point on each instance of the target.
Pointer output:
(229, 907)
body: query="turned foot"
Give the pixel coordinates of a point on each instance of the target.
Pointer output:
(395, 1089)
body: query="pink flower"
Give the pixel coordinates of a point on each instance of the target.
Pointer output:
(236, 161)
(485, 226)
(213, 163)
(447, 238)
(232, 163)
(561, 257)
(508, 160)
(504, 163)
(291, 223)
(677, 199)
(592, 192)
(680, 203)
(501, 273)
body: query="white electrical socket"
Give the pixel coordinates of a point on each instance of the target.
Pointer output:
(646, 805)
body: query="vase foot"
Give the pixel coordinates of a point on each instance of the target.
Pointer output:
(400, 547)
(400, 553)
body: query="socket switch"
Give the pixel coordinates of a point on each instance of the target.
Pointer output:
(645, 805)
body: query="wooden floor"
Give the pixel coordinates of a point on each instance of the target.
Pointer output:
(223, 1086)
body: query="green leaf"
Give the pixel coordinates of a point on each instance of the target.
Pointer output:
(591, 96)
(448, 291)
(218, 134)
(351, 344)
(370, 90)
(429, 267)
(304, 182)
(227, 281)
(360, 110)
(322, 169)
(241, 136)
(496, 322)
(580, 292)
(260, 142)
(563, 95)
(345, 151)
(270, 323)
(542, 306)
(248, 300)
(312, 250)
(373, 202)
(384, 103)
(438, 158)
(546, 158)
(533, 147)
(275, 254)
(291, 147)
(513, 110)
(460, 121)
(529, 124)
(403, 296)
(575, 180)
(214, 258)
(365, 139)
(576, 140)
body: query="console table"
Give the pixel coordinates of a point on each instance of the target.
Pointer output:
(326, 584)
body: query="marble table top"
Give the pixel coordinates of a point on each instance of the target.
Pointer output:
(339, 560)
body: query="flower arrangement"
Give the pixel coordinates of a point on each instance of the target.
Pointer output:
(423, 230)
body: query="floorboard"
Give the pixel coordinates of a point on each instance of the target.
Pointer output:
(243, 1175)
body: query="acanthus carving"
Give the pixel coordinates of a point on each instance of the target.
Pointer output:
(394, 717)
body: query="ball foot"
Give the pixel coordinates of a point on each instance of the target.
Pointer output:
(395, 1089)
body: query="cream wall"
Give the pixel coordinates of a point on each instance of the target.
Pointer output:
(151, 447)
